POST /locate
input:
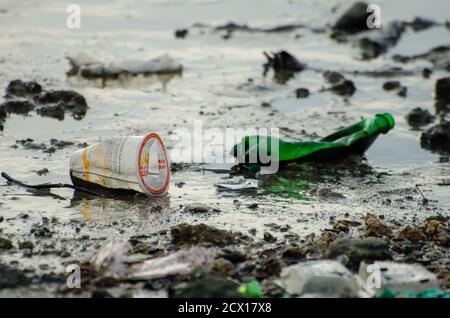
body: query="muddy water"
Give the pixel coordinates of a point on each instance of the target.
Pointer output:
(222, 85)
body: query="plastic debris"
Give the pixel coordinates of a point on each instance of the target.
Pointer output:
(238, 184)
(86, 66)
(320, 279)
(180, 263)
(428, 293)
(129, 163)
(251, 289)
(111, 257)
(398, 277)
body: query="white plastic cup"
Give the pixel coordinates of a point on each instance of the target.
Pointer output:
(136, 163)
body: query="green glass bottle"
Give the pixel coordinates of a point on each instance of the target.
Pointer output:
(253, 151)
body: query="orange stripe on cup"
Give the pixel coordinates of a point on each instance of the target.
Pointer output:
(86, 165)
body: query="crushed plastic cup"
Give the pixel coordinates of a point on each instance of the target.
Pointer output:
(399, 277)
(322, 278)
(137, 163)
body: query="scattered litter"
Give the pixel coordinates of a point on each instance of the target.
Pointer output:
(399, 277)
(86, 66)
(238, 184)
(320, 279)
(110, 258)
(180, 263)
(355, 139)
(130, 163)
(252, 289)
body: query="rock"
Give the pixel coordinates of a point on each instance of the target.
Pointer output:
(5, 244)
(399, 277)
(223, 266)
(426, 72)
(54, 111)
(333, 77)
(69, 100)
(419, 117)
(42, 172)
(375, 228)
(320, 279)
(436, 231)
(207, 286)
(391, 85)
(2, 112)
(293, 255)
(30, 144)
(268, 267)
(233, 256)
(197, 208)
(41, 231)
(438, 56)
(269, 238)
(403, 91)
(322, 243)
(358, 250)
(60, 144)
(12, 278)
(22, 89)
(354, 19)
(17, 107)
(374, 45)
(181, 33)
(437, 138)
(193, 234)
(410, 233)
(283, 61)
(302, 92)
(341, 226)
(442, 89)
(346, 88)
(26, 245)
(420, 24)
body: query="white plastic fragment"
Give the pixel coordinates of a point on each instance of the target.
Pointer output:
(110, 258)
(180, 263)
(85, 65)
(238, 184)
(320, 279)
(398, 277)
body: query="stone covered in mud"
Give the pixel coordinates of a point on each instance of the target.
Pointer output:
(24, 97)
(437, 138)
(373, 46)
(284, 65)
(443, 89)
(202, 233)
(419, 117)
(354, 19)
(12, 278)
(18, 88)
(357, 250)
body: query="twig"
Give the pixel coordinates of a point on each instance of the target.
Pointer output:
(46, 185)
(424, 200)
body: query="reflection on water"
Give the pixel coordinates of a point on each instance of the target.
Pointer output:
(117, 206)
(125, 80)
(288, 188)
